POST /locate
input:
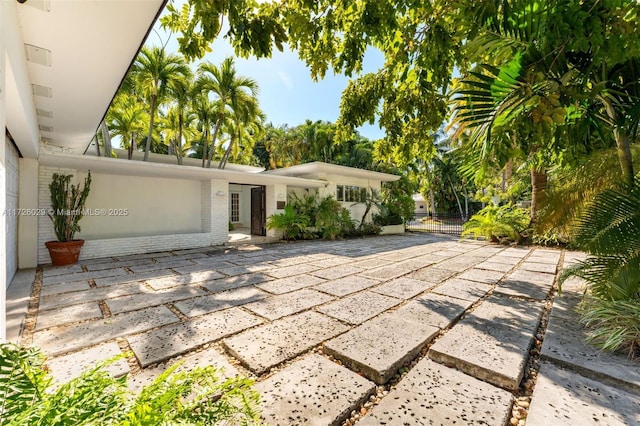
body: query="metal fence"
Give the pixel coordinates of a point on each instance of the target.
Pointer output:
(441, 223)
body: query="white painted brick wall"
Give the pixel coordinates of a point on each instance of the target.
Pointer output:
(215, 225)
(205, 206)
(219, 212)
(134, 245)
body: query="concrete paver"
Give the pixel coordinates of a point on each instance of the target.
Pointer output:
(70, 314)
(432, 394)
(60, 340)
(359, 307)
(140, 276)
(462, 289)
(92, 295)
(347, 285)
(165, 342)
(152, 298)
(336, 272)
(207, 357)
(434, 309)
(285, 285)
(180, 280)
(402, 288)
(289, 271)
(431, 274)
(379, 347)
(493, 342)
(81, 276)
(547, 268)
(236, 281)
(263, 304)
(67, 367)
(522, 283)
(281, 305)
(562, 397)
(385, 272)
(482, 276)
(219, 301)
(312, 391)
(565, 345)
(268, 345)
(64, 288)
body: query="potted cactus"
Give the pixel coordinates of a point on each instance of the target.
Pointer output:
(67, 208)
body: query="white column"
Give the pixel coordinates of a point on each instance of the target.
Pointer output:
(3, 180)
(219, 200)
(28, 225)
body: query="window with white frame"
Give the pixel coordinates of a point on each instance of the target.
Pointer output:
(351, 194)
(235, 207)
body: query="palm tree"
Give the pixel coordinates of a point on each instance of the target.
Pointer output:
(126, 118)
(154, 71)
(245, 123)
(181, 90)
(204, 111)
(229, 89)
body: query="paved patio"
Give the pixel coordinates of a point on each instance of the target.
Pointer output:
(411, 329)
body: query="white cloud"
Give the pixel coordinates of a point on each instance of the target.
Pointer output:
(286, 80)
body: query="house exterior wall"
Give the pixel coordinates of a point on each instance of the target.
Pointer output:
(356, 209)
(11, 225)
(164, 214)
(28, 224)
(140, 206)
(3, 184)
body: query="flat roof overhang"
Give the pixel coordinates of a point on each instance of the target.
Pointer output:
(116, 166)
(318, 167)
(66, 61)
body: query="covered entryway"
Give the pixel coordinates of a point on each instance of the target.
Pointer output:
(12, 208)
(247, 208)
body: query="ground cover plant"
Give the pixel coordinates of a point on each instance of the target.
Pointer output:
(197, 397)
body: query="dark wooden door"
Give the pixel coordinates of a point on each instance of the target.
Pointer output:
(258, 211)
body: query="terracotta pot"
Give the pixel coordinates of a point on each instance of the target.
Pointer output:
(64, 253)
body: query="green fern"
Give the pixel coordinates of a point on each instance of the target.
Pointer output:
(609, 231)
(497, 224)
(195, 397)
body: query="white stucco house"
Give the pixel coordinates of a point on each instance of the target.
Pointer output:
(61, 62)
(420, 205)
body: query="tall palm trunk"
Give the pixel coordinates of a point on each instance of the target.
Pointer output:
(213, 139)
(152, 113)
(538, 192)
(455, 194)
(97, 145)
(179, 141)
(622, 143)
(132, 146)
(227, 154)
(205, 143)
(106, 139)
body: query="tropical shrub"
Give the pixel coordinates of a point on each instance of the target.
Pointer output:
(389, 215)
(609, 231)
(333, 220)
(292, 224)
(197, 397)
(498, 224)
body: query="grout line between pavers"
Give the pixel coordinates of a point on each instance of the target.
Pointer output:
(26, 338)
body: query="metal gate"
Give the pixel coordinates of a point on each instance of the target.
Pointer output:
(440, 223)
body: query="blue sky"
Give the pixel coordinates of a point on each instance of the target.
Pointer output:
(288, 95)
